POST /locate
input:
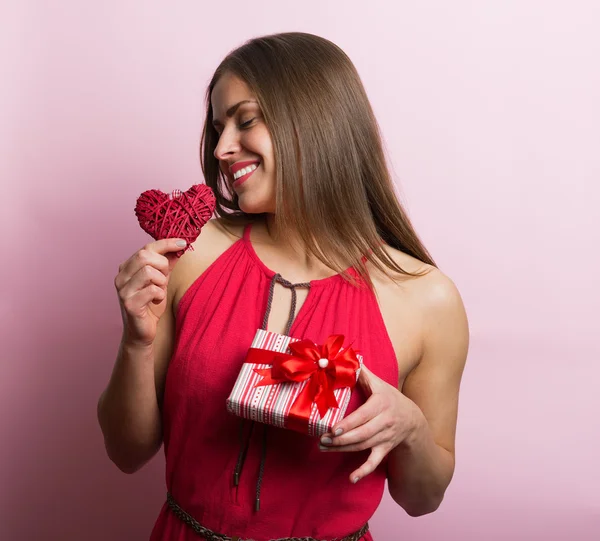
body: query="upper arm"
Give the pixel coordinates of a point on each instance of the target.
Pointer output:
(434, 384)
(164, 340)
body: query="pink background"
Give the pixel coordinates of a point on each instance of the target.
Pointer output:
(490, 113)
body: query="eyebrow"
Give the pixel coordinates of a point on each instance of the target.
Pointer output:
(231, 111)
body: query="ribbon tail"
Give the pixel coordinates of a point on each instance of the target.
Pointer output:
(300, 411)
(325, 401)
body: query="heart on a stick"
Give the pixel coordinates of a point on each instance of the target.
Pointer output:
(175, 215)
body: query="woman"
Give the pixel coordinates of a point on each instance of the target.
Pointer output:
(309, 240)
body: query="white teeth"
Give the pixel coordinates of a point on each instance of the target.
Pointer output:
(242, 172)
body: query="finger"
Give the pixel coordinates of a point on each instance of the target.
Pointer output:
(135, 305)
(363, 377)
(147, 256)
(146, 276)
(141, 298)
(370, 409)
(170, 249)
(137, 261)
(143, 267)
(359, 434)
(164, 246)
(375, 458)
(369, 382)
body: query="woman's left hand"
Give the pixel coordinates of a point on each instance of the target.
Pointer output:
(384, 421)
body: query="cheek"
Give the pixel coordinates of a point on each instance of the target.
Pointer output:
(259, 141)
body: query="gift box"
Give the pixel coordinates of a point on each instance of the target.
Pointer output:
(294, 383)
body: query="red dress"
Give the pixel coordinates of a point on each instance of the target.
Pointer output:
(303, 491)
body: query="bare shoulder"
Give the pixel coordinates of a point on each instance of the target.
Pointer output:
(433, 382)
(429, 293)
(445, 324)
(434, 288)
(214, 239)
(416, 309)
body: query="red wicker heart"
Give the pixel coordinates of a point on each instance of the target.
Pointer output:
(175, 215)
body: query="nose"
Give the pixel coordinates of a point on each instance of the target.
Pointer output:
(229, 143)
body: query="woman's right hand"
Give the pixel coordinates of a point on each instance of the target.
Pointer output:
(142, 288)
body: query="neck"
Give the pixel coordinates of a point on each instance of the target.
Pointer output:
(288, 239)
(290, 245)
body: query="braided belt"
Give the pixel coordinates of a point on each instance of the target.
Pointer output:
(212, 536)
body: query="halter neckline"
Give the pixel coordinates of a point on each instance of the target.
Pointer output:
(270, 273)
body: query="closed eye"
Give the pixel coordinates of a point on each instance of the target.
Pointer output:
(244, 125)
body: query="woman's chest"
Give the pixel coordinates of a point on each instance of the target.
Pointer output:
(392, 311)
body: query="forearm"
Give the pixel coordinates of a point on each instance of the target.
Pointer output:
(419, 471)
(128, 410)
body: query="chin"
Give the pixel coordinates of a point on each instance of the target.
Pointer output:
(252, 207)
(255, 205)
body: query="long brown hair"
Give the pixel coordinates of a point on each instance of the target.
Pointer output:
(333, 186)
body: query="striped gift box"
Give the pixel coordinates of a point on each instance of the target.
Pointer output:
(270, 404)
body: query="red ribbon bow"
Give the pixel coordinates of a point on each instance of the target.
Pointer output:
(325, 367)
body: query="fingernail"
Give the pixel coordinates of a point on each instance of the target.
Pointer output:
(339, 431)
(181, 243)
(322, 448)
(355, 480)
(326, 440)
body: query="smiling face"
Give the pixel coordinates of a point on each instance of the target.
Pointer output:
(244, 145)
